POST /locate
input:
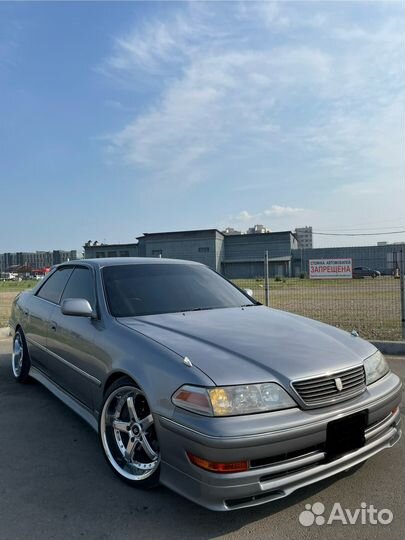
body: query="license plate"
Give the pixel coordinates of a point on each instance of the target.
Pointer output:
(346, 434)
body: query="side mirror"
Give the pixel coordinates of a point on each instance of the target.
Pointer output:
(249, 292)
(78, 307)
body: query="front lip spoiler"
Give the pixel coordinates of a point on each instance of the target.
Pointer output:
(264, 484)
(317, 456)
(284, 486)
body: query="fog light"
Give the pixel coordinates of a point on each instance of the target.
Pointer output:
(214, 466)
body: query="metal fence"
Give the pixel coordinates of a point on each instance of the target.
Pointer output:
(373, 306)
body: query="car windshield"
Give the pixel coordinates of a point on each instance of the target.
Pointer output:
(150, 289)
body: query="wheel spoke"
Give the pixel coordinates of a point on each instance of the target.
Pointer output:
(121, 426)
(131, 409)
(147, 447)
(129, 450)
(146, 422)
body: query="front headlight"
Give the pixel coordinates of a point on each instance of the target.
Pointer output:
(233, 400)
(375, 367)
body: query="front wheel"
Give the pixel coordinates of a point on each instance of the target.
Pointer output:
(20, 360)
(128, 435)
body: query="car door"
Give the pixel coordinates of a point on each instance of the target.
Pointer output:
(38, 312)
(71, 341)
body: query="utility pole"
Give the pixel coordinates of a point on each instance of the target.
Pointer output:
(266, 278)
(401, 275)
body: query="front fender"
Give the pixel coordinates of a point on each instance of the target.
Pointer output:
(157, 370)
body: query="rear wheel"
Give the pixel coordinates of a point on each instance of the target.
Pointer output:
(128, 435)
(20, 360)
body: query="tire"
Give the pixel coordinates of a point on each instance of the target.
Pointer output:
(128, 436)
(20, 358)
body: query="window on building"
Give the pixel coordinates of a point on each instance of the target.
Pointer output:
(203, 249)
(124, 253)
(53, 287)
(111, 254)
(157, 252)
(80, 285)
(100, 254)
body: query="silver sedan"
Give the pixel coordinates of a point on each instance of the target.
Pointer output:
(191, 383)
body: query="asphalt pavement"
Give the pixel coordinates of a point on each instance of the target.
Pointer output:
(55, 484)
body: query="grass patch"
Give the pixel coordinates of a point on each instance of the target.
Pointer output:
(8, 291)
(371, 306)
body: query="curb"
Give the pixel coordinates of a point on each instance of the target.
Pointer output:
(391, 347)
(5, 333)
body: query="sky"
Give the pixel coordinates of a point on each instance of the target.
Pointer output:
(119, 118)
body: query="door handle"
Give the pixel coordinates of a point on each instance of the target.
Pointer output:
(53, 326)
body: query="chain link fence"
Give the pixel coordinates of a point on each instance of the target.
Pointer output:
(370, 302)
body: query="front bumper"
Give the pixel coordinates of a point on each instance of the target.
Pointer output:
(288, 455)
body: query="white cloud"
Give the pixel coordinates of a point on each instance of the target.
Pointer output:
(275, 211)
(282, 211)
(245, 216)
(219, 98)
(270, 13)
(148, 48)
(294, 96)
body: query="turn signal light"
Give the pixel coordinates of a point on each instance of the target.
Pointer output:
(214, 466)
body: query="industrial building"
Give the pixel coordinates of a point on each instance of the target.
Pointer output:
(237, 255)
(233, 255)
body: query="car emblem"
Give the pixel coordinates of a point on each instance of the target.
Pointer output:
(339, 384)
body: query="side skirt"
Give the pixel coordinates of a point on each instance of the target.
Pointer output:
(72, 403)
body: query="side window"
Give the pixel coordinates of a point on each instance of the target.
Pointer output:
(80, 285)
(53, 287)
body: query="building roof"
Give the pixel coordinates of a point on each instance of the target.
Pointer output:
(111, 245)
(181, 232)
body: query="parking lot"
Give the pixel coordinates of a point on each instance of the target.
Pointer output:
(55, 484)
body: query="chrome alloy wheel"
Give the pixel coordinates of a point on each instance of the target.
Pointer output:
(17, 355)
(128, 434)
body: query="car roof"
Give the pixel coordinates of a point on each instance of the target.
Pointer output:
(119, 261)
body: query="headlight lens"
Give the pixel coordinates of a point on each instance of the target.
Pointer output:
(233, 400)
(375, 367)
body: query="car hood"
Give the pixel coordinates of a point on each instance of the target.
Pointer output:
(253, 344)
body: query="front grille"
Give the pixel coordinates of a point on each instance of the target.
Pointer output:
(326, 389)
